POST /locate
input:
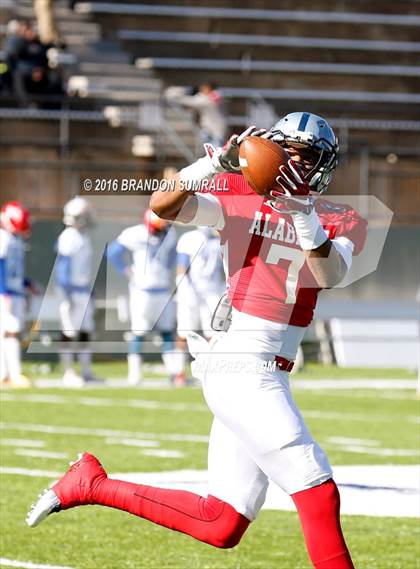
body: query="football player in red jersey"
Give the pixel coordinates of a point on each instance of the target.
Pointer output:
(280, 250)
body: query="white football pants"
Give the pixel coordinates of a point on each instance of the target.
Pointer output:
(258, 432)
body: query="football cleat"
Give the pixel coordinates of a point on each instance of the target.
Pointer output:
(75, 488)
(72, 380)
(20, 382)
(46, 504)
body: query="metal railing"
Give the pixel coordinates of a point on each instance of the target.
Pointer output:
(270, 40)
(309, 16)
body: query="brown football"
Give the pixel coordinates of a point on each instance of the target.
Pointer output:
(260, 160)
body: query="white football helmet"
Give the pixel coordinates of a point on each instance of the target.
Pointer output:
(314, 132)
(78, 212)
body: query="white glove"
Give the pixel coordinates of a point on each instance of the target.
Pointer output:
(294, 197)
(227, 157)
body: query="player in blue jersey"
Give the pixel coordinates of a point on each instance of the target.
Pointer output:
(15, 227)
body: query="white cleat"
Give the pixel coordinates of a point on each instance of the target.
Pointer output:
(72, 380)
(74, 488)
(47, 504)
(20, 382)
(133, 381)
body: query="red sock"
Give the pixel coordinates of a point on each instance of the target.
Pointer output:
(319, 513)
(207, 519)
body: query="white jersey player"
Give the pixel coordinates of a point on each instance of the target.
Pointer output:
(73, 277)
(15, 226)
(146, 255)
(200, 284)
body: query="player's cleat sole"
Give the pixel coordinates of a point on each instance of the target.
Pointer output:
(46, 504)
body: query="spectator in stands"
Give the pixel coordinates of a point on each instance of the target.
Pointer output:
(28, 63)
(207, 102)
(12, 45)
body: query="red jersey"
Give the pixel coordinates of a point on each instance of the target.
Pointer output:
(266, 268)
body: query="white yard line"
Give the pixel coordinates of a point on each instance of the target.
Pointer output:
(131, 442)
(29, 565)
(354, 384)
(109, 383)
(23, 443)
(82, 431)
(104, 402)
(302, 383)
(163, 453)
(351, 441)
(368, 418)
(359, 449)
(158, 405)
(36, 473)
(41, 453)
(403, 394)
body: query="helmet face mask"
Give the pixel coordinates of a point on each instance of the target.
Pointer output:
(311, 132)
(78, 213)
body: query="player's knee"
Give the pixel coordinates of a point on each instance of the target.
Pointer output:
(226, 527)
(230, 535)
(227, 540)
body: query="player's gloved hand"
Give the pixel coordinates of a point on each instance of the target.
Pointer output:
(226, 158)
(292, 181)
(294, 194)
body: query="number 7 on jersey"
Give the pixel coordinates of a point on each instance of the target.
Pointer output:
(296, 258)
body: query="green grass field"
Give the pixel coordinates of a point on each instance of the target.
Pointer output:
(95, 537)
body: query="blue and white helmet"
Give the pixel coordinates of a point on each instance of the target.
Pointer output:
(314, 132)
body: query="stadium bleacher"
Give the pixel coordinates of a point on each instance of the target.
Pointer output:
(358, 65)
